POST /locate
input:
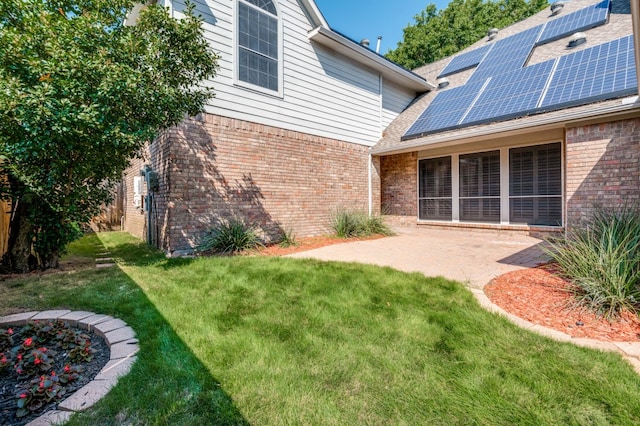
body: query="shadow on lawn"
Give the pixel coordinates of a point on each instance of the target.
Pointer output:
(168, 384)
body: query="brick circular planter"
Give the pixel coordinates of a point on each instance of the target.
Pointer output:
(123, 347)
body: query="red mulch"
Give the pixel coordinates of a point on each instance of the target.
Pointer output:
(539, 296)
(308, 243)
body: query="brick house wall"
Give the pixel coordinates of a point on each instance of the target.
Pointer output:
(399, 181)
(213, 167)
(602, 167)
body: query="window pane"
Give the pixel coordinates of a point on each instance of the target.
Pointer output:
(480, 209)
(480, 174)
(258, 45)
(258, 70)
(435, 177)
(536, 211)
(264, 5)
(535, 185)
(480, 187)
(434, 189)
(435, 209)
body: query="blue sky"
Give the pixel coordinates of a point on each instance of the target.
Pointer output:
(360, 19)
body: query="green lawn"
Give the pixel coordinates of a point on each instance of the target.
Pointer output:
(270, 341)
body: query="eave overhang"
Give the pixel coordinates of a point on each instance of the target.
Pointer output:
(626, 107)
(367, 57)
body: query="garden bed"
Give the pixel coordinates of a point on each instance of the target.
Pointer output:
(539, 296)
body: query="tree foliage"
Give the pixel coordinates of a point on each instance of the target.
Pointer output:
(438, 34)
(81, 93)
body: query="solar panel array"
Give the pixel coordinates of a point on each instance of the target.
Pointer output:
(603, 71)
(446, 110)
(511, 94)
(507, 54)
(500, 88)
(466, 60)
(580, 20)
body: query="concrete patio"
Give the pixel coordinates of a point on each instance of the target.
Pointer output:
(470, 256)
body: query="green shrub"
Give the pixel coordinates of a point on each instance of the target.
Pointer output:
(288, 239)
(229, 236)
(355, 223)
(602, 259)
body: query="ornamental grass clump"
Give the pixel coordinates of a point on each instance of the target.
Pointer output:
(355, 223)
(602, 260)
(229, 236)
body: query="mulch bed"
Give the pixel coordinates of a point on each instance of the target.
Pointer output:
(307, 243)
(539, 296)
(10, 388)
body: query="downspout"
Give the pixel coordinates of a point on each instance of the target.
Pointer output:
(370, 184)
(380, 130)
(635, 23)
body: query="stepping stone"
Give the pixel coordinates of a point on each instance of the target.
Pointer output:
(104, 259)
(105, 265)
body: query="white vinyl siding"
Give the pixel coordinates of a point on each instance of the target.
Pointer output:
(322, 93)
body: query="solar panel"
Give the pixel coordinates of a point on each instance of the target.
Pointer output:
(605, 71)
(511, 95)
(446, 110)
(465, 61)
(507, 54)
(580, 20)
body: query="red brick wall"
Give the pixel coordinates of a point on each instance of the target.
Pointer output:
(214, 167)
(603, 167)
(399, 185)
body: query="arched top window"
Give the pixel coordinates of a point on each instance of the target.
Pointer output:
(258, 43)
(264, 5)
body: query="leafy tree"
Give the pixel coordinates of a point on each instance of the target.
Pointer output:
(438, 34)
(81, 92)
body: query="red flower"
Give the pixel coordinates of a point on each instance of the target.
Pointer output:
(20, 356)
(53, 374)
(28, 341)
(23, 395)
(37, 361)
(3, 360)
(43, 349)
(10, 331)
(18, 370)
(66, 368)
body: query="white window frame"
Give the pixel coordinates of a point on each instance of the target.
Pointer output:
(504, 184)
(236, 51)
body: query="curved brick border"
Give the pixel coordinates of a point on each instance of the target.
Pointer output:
(629, 350)
(122, 343)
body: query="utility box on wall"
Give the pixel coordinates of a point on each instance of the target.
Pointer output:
(137, 192)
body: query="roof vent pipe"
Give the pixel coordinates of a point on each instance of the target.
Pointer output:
(442, 82)
(492, 33)
(576, 40)
(365, 42)
(378, 45)
(556, 7)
